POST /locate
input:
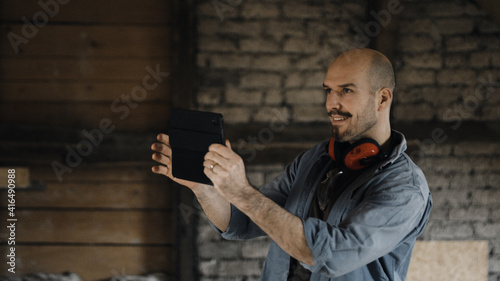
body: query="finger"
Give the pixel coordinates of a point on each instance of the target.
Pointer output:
(210, 164)
(162, 170)
(215, 158)
(161, 148)
(222, 150)
(211, 175)
(228, 144)
(163, 159)
(164, 138)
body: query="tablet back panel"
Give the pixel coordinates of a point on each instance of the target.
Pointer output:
(191, 133)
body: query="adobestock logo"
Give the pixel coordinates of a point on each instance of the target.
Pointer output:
(121, 106)
(249, 148)
(373, 28)
(49, 9)
(455, 116)
(221, 8)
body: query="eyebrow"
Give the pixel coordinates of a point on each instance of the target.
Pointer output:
(342, 86)
(348, 85)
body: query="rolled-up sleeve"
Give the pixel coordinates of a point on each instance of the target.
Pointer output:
(371, 230)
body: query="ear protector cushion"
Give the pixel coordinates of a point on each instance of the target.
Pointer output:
(356, 156)
(331, 148)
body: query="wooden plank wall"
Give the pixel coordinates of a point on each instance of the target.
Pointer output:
(90, 53)
(103, 219)
(108, 216)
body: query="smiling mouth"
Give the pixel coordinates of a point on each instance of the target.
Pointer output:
(339, 118)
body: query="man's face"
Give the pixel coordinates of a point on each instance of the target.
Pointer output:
(350, 101)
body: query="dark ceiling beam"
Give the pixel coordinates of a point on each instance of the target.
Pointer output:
(386, 41)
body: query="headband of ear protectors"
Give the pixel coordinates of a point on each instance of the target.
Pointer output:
(354, 156)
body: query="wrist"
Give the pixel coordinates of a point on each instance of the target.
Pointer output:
(248, 199)
(202, 190)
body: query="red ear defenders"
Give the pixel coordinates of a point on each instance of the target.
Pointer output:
(354, 156)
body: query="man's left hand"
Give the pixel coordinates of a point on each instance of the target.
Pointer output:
(226, 170)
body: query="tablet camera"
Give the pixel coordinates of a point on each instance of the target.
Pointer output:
(216, 121)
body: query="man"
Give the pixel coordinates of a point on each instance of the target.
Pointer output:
(332, 215)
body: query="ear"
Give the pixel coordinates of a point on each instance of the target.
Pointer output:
(384, 99)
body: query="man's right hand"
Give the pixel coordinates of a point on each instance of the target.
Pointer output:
(216, 207)
(163, 155)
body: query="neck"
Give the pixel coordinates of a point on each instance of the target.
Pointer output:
(385, 139)
(381, 135)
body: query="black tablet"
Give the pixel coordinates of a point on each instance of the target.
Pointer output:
(191, 132)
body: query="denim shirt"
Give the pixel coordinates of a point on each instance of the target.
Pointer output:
(371, 229)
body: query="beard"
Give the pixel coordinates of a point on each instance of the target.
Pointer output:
(357, 131)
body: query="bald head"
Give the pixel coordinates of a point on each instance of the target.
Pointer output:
(377, 67)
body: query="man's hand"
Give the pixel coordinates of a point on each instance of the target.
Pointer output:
(226, 170)
(215, 206)
(163, 155)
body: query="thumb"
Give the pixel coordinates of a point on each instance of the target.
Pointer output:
(228, 144)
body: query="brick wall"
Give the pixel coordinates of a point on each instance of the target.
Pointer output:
(448, 70)
(448, 54)
(257, 58)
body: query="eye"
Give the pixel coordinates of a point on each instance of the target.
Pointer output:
(346, 91)
(328, 90)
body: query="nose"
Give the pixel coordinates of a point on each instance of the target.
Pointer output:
(332, 101)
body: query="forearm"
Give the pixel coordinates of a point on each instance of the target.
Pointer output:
(280, 225)
(227, 171)
(216, 207)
